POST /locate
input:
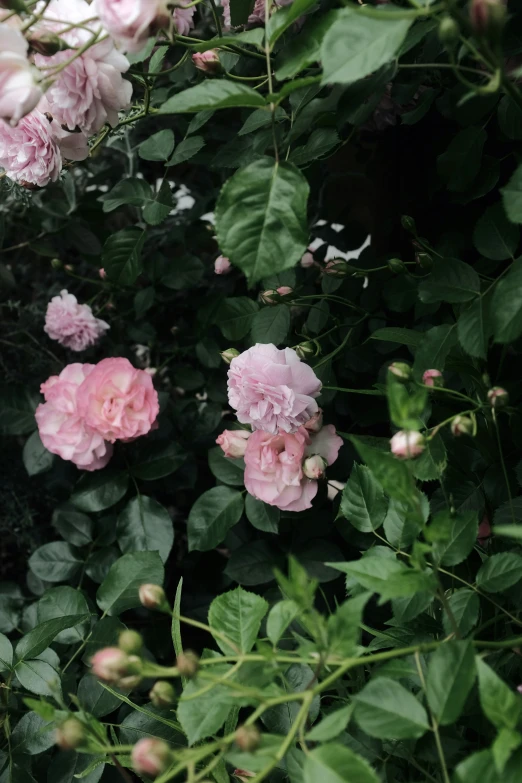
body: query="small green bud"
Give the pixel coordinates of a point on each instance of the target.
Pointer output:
(306, 350)
(396, 265)
(449, 32)
(408, 223)
(162, 694)
(229, 354)
(130, 642)
(56, 263)
(153, 597)
(187, 664)
(248, 738)
(70, 734)
(424, 260)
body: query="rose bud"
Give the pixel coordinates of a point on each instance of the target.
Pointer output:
(307, 260)
(208, 61)
(273, 295)
(248, 738)
(396, 265)
(222, 266)
(110, 664)
(449, 32)
(424, 260)
(130, 642)
(56, 263)
(151, 757)
(306, 350)
(243, 774)
(46, 42)
(433, 378)
(407, 444)
(187, 663)
(162, 694)
(233, 442)
(133, 676)
(315, 423)
(102, 273)
(314, 467)
(337, 267)
(498, 397)
(229, 354)
(487, 15)
(70, 734)
(401, 370)
(461, 425)
(409, 224)
(484, 531)
(153, 597)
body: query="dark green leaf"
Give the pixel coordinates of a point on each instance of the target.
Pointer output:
(38, 677)
(506, 307)
(145, 526)
(18, 407)
(119, 591)
(212, 515)
(321, 142)
(186, 149)
(98, 491)
(76, 528)
(229, 471)
(271, 324)
(474, 327)
(304, 49)
(212, 94)
(464, 605)
(451, 281)
(363, 503)
(63, 602)
(159, 460)
(451, 675)
(460, 164)
(236, 316)
(500, 704)
(238, 615)
(512, 196)
(386, 710)
(121, 257)
(261, 515)
(494, 236)
(158, 146)
(462, 531)
(55, 562)
(500, 572)
(434, 349)
(37, 640)
(36, 457)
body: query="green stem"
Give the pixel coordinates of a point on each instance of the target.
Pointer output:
(434, 724)
(503, 464)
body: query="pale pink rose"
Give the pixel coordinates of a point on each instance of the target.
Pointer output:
(307, 260)
(208, 61)
(222, 266)
(407, 444)
(118, 401)
(272, 389)
(131, 22)
(432, 378)
(151, 757)
(233, 442)
(71, 324)
(183, 20)
(19, 92)
(326, 443)
(61, 426)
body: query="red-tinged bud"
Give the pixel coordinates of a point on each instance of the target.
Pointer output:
(151, 757)
(498, 397)
(102, 273)
(70, 734)
(338, 267)
(407, 444)
(243, 775)
(153, 597)
(229, 354)
(315, 423)
(487, 16)
(130, 642)
(400, 370)
(187, 663)
(274, 295)
(208, 61)
(433, 379)
(46, 42)
(461, 425)
(162, 694)
(248, 738)
(110, 664)
(314, 467)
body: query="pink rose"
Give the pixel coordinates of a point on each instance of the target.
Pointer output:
(118, 401)
(274, 466)
(222, 266)
(19, 92)
(71, 324)
(110, 664)
(233, 442)
(183, 20)
(307, 260)
(208, 62)
(272, 389)
(433, 378)
(407, 444)
(31, 153)
(151, 757)
(315, 423)
(131, 22)
(61, 426)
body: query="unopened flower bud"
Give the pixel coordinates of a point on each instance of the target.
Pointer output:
(187, 663)
(306, 350)
(433, 378)
(243, 775)
(70, 734)
(151, 757)
(102, 273)
(449, 32)
(401, 370)
(407, 444)
(130, 642)
(162, 694)
(461, 425)
(307, 260)
(110, 664)
(408, 223)
(233, 442)
(46, 42)
(229, 354)
(337, 267)
(56, 263)
(484, 531)
(133, 676)
(424, 260)
(153, 597)
(314, 467)
(222, 266)
(487, 16)
(248, 738)
(208, 61)
(315, 423)
(396, 265)
(498, 397)
(273, 295)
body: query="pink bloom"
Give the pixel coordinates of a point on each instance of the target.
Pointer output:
(61, 426)
(316, 422)
(110, 664)
(272, 389)
(31, 153)
(497, 397)
(19, 93)
(273, 466)
(151, 757)
(131, 22)
(407, 444)
(233, 442)
(222, 266)
(183, 20)
(118, 401)
(71, 324)
(307, 260)
(102, 273)
(432, 378)
(208, 61)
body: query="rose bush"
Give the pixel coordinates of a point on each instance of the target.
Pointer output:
(263, 521)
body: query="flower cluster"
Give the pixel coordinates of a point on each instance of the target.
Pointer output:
(72, 324)
(288, 449)
(88, 407)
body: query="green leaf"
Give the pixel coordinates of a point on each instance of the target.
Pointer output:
(202, 716)
(132, 191)
(38, 677)
(212, 94)
(500, 572)
(462, 531)
(394, 334)
(145, 526)
(280, 719)
(158, 208)
(186, 149)
(253, 563)
(158, 146)
(69, 767)
(55, 562)
(261, 118)
(235, 317)
(450, 678)
(271, 324)
(261, 515)
(98, 491)
(76, 528)
(464, 605)
(152, 722)
(94, 698)
(158, 460)
(18, 407)
(119, 590)
(280, 617)
(506, 307)
(499, 703)
(156, 61)
(363, 503)
(37, 640)
(229, 471)
(460, 164)
(284, 17)
(261, 219)
(304, 49)
(434, 349)
(512, 196)
(391, 474)
(212, 516)
(343, 626)
(121, 256)
(386, 710)
(63, 602)
(451, 281)
(494, 236)
(331, 725)
(238, 615)
(334, 763)
(474, 327)
(319, 144)
(36, 457)
(506, 742)
(6, 653)
(356, 45)
(32, 735)
(186, 273)
(389, 578)
(432, 462)
(510, 118)
(402, 525)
